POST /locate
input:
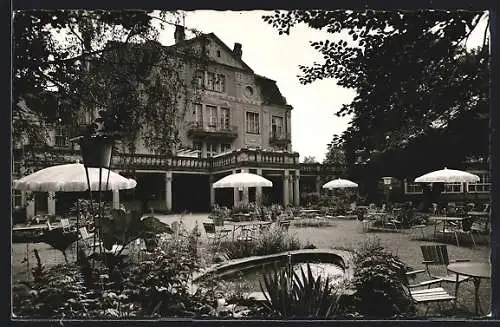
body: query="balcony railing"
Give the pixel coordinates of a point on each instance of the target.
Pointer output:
(236, 159)
(220, 131)
(320, 169)
(280, 138)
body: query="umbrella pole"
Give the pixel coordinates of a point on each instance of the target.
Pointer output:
(100, 208)
(77, 225)
(91, 209)
(27, 259)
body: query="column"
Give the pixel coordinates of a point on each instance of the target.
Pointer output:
(51, 203)
(168, 190)
(236, 196)
(290, 189)
(296, 189)
(30, 208)
(258, 190)
(212, 190)
(318, 184)
(203, 149)
(286, 175)
(116, 199)
(245, 189)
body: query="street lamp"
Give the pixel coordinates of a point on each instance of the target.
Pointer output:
(96, 151)
(388, 187)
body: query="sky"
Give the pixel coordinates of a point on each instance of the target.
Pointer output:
(278, 57)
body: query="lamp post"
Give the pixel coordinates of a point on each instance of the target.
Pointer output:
(96, 151)
(387, 187)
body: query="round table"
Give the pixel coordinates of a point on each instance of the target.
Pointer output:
(475, 270)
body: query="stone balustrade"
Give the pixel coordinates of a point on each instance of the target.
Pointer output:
(233, 160)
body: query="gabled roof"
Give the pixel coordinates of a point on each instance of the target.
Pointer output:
(269, 90)
(219, 42)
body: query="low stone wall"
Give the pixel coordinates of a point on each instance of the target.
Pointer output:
(340, 257)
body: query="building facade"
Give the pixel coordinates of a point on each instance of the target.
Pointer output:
(240, 122)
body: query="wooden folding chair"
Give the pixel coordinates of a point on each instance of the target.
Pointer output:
(431, 295)
(66, 226)
(88, 239)
(437, 255)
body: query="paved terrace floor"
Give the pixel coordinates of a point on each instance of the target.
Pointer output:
(341, 234)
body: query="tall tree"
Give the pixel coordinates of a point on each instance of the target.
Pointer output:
(309, 159)
(82, 61)
(416, 83)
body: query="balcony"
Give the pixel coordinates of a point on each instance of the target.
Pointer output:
(196, 129)
(280, 138)
(240, 158)
(320, 169)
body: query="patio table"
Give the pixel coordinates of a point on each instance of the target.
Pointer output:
(241, 224)
(309, 212)
(475, 270)
(242, 216)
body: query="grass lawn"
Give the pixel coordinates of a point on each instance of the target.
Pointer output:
(340, 234)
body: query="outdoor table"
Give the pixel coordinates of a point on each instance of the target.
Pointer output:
(245, 216)
(444, 220)
(475, 270)
(241, 224)
(309, 212)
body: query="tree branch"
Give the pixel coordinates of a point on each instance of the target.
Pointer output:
(78, 36)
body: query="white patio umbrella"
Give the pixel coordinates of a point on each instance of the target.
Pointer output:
(242, 180)
(339, 183)
(72, 178)
(447, 176)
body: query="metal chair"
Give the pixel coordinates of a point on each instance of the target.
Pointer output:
(212, 234)
(464, 227)
(437, 255)
(66, 226)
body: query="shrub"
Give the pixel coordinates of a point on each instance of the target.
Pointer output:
(157, 286)
(380, 283)
(290, 295)
(273, 240)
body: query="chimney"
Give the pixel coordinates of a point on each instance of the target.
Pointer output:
(179, 34)
(237, 50)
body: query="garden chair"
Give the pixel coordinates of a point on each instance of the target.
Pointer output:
(66, 226)
(140, 247)
(49, 226)
(88, 239)
(463, 227)
(284, 224)
(437, 255)
(430, 295)
(246, 235)
(212, 234)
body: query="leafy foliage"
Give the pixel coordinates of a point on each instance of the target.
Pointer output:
(309, 159)
(273, 240)
(291, 295)
(159, 285)
(70, 64)
(380, 283)
(420, 91)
